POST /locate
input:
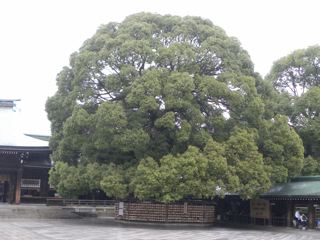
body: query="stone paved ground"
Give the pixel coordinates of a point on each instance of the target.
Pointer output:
(30, 229)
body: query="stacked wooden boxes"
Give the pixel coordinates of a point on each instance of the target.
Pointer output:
(165, 213)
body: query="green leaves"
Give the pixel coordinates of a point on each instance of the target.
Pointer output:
(148, 74)
(167, 121)
(68, 180)
(217, 170)
(306, 118)
(282, 149)
(247, 163)
(307, 107)
(297, 72)
(113, 182)
(174, 178)
(167, 108)
(147, 180)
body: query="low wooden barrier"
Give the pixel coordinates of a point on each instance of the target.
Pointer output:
(55, 201)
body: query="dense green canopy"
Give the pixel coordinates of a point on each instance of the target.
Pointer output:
(297, 72)
(297, 78)
(167, 108)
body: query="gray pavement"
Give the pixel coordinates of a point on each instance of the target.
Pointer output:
(31, 229)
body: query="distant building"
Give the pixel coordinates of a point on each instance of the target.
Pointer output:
(24, 159)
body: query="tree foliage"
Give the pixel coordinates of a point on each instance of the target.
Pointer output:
(282, 149)
(297, 72)
(247, 163)
(306, 119)
(297, 78)
(68, 180)
(311, 166)
(170, 108)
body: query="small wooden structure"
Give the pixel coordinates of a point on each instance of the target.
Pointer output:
(24, 173)
(302, 193)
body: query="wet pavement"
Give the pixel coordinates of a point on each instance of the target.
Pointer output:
(80, 229)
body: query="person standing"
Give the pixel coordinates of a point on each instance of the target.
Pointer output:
(297, 218)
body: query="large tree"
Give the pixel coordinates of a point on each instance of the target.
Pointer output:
(150, 85)
(151, 92)
(297, 72)
(297, 79)
(306, 118)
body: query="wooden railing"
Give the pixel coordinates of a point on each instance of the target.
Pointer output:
(279, 221)
(85, 202)
(33, 199)
(79, 202)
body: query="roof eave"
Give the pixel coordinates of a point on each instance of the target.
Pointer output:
(25, 148)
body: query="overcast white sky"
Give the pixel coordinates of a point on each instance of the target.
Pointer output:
(38, 36)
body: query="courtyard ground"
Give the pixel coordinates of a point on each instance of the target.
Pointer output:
(78, 229)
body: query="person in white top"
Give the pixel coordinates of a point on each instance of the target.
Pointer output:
(297, 218)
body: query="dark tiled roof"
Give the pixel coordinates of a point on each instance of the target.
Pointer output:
(300, 188)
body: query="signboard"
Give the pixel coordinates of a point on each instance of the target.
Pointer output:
(260, 208)
(185, 208)
(121, 206)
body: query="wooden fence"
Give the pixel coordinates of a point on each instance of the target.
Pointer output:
(79, 202)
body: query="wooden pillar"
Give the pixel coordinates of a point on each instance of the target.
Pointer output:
(12, 185)
(311, 215)
(270, 213)
(18, 186)
(166, 212)
(289, 213)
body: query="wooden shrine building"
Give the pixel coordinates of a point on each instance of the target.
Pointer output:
(24, 159)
